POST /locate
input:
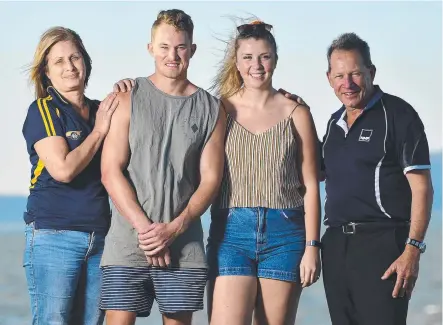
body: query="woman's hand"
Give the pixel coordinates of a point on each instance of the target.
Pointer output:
(310, 266)
(124, 85)
(104, 114)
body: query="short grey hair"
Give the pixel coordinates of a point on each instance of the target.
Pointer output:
(349, 42)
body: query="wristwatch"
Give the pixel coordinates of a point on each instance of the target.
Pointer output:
(418, 244)
(315, 243)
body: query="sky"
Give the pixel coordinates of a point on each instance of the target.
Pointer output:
(405, 40)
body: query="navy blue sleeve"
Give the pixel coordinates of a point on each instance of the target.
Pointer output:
(41, 122)
(412, 144)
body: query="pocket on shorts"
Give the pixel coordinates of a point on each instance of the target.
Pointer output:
(228, 214)
(297, 214)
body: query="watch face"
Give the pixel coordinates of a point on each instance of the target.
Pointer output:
(420, 245)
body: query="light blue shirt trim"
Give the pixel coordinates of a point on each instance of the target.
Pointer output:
(416, 167)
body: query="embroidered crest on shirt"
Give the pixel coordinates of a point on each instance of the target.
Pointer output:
(365, 135)
(73, 135)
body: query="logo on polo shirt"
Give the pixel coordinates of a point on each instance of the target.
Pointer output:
(73, 135)
(365, 135)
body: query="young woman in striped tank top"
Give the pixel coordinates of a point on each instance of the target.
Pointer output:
(263, 242)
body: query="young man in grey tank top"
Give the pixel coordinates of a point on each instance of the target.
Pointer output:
(162, 165)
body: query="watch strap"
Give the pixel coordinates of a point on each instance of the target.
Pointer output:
(416, 243)
(314, 243)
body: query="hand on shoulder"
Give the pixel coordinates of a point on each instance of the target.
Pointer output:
(293, 108)
(122, 111)
(292, 97)
(124, 100)
(124, 85)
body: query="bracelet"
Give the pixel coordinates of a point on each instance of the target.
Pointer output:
(314, 243)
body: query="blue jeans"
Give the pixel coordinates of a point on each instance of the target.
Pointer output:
(258, 242)
(64, 276)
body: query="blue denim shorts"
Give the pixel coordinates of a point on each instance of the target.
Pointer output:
(259, 242)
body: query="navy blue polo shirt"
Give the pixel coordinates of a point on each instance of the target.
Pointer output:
(83, 203)
(365, 166)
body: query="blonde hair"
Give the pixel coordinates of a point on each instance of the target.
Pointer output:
(228, 80)
(177, 18)
(38, 68)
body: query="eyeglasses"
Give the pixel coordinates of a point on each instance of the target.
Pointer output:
(254, 25)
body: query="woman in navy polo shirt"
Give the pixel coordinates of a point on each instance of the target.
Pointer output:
(68, 212)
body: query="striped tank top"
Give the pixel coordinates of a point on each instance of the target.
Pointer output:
(261, 170)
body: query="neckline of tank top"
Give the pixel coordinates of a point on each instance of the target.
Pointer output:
(286, 119)
(168, 95)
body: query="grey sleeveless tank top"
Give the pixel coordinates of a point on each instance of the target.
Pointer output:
(166, 137)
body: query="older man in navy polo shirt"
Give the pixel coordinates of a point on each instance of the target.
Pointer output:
(379, 194)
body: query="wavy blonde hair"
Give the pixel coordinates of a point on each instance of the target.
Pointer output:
(38, 68)
(228, 80)
(177, 18)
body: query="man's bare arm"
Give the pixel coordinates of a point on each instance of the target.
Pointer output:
(422, 198)
(407, 265)
(114, 161)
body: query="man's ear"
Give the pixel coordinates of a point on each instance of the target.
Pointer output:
(373, 70)
(193, 49)
(328, 76)
(151, 49)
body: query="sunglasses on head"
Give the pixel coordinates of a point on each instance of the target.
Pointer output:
(254, 25)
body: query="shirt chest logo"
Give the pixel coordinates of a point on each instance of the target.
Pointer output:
(365, 135)
(73, 135)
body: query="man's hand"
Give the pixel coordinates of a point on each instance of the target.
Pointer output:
(124, 85)
(162, 259)
(157, 237)
(406, 267)
(293, 97)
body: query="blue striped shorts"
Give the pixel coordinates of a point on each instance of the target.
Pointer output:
(134, 289)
